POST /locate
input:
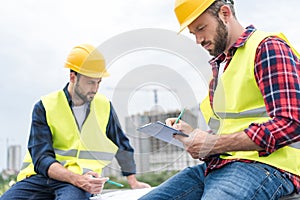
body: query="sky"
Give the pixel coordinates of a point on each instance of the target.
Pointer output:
(36, 36)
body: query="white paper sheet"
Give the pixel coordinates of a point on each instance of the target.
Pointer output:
(125, 194)
(163, 132)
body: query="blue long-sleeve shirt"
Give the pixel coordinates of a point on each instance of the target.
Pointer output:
(40, 141)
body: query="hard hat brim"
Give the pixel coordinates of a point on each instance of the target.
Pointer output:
(181, 8)
(85, 72)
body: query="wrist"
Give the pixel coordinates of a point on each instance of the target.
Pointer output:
(131, 179)
(74, 179)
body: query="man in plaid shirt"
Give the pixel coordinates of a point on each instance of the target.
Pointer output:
(252, 109)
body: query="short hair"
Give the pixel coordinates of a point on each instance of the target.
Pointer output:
(76, 73)
(214, 8)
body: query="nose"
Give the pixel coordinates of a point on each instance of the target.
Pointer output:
(95, 88)
(199, 38)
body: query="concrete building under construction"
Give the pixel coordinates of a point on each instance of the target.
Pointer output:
(151, 154)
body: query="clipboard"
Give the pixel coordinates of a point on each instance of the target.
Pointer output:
(162, 132)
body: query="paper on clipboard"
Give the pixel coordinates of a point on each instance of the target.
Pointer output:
(163, 132)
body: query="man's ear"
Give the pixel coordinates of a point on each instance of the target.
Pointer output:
(225, 13)
(72, 77)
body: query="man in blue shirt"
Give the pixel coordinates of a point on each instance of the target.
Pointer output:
(75, 132)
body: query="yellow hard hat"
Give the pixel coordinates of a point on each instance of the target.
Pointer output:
(188, 10)
(87, 60)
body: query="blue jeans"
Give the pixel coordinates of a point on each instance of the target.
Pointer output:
(234, 181)
(39, 187)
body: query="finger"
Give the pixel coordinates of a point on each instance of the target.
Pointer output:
(180, 138)
(170, 121)
(195, 156)
(177, 126)
(97, 189)
(92, 174)
(104, 179)
(99, 181)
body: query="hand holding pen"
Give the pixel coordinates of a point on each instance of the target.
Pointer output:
(98, 196)
(179, 124)
(200, 143)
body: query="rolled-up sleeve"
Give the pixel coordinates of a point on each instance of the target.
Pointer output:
(277, 74)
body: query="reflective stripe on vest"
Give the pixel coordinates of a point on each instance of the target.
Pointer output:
(235, 109)
(89, 149)
(214, 123)
(257, 112)
(91, 155)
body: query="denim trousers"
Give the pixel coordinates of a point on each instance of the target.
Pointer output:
(234, 181)
(38, 187)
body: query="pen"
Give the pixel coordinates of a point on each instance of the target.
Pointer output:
(178, 118)
(115, 183)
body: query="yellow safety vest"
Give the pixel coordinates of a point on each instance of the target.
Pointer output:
(238, 102)
(78, 151)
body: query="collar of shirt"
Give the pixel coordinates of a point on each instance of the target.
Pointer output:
(69, 99)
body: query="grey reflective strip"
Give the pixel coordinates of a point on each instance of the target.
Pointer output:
(25, 164)
(91, 155)
(258, 112)
(94, 155)
(295, 145)
(214, 125)
(72, 152)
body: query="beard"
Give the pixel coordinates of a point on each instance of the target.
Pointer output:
(220, 39)
(84, 97)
